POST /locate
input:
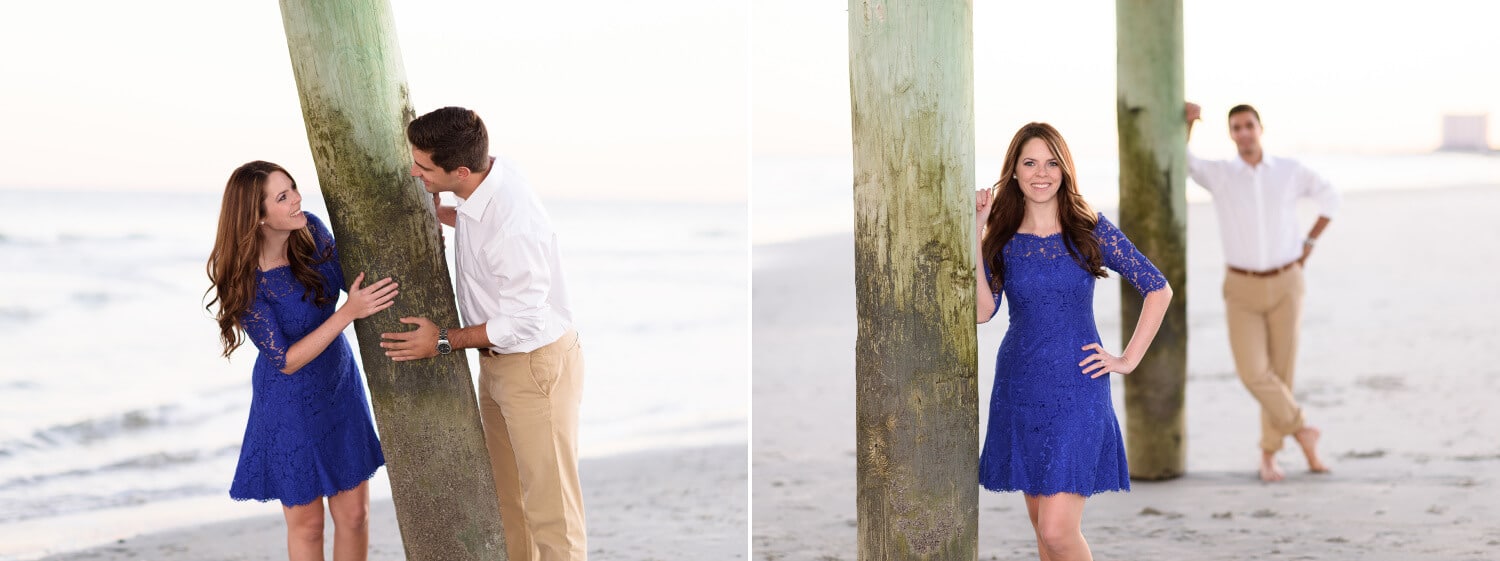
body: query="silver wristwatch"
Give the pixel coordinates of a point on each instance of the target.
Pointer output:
(443, 346)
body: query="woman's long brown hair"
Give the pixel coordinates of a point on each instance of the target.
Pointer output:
(236, 253)
(1009, 207)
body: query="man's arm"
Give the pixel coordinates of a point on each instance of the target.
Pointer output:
(1314, 186)
(1312, 238)
(1317, 229)
(521, 266)
(446, 215)
(1192, 112)
(525, 280)
(421, 342)
(1199, 170)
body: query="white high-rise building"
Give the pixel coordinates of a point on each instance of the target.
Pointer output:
(1466, 133)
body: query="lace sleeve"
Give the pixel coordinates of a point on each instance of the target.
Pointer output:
(262, 329)
(988, 277)
(323, 241)
(1122, 257)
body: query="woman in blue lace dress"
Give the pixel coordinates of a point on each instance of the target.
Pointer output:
(1052, 431)
(276, 279)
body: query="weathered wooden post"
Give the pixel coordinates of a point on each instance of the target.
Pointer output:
(1153, 214)
(911, 84)
(354, 101)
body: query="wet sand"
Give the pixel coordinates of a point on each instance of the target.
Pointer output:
(664, 504)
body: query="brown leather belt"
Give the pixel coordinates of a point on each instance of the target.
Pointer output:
(1263, 274)
(488, 352)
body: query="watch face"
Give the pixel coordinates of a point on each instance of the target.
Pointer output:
(445, 348)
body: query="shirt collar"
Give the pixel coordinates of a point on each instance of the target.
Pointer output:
(479, 200)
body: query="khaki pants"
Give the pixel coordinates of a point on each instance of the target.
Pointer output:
(529, 405)
(1264, 314)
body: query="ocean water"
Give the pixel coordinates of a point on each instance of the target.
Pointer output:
(801, 197)
(117, 414)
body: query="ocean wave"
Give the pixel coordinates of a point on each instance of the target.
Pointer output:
(92, 298)
(17, 314)
(45, 240)
(721, 233)
(90, 431)
(27, 508)
(655, 326)
(147, 462)
(160, 459)
(71, 237)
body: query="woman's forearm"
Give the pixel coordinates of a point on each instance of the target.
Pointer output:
(984, 297)
(308, 348)
(1153, 309)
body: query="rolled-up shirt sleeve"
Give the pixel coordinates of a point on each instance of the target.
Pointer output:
(1200, 170)
(520, 265)
(1314, 186)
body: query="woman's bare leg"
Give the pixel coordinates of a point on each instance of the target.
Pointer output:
(304, 531)
(1033, 506)
(1060, 525)
(351, 523)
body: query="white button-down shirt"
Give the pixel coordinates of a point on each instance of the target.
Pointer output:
(509, 275)
(1257, 207)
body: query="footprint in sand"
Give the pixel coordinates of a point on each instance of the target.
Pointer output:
(1378, 382)
(1477, 457)
(1150, 511)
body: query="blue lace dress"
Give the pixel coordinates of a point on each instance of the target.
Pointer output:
(1052, 429)
(309, 433)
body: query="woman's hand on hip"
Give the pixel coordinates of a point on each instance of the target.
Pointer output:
(1101, 362)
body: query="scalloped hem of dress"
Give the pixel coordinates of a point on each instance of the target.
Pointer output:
(1050, 493)
(309, 501)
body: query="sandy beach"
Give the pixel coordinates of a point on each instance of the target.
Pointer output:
(657, 505)
(1398, 326)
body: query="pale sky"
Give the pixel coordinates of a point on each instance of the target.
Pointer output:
(593, 99)
(1327, 76)
(657, 99)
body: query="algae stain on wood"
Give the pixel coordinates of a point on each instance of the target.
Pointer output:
(916, 350)
(1153, 211)
(355, 105)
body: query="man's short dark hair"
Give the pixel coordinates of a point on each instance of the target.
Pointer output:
(455, 137)
(1245, 108)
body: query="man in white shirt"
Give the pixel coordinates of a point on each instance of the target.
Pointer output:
(513, 299)
(1255, 196)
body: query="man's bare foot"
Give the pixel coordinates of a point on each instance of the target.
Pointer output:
(1307, 438)
(1269, 471)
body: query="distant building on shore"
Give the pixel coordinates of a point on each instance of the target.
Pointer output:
(1466, 133)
